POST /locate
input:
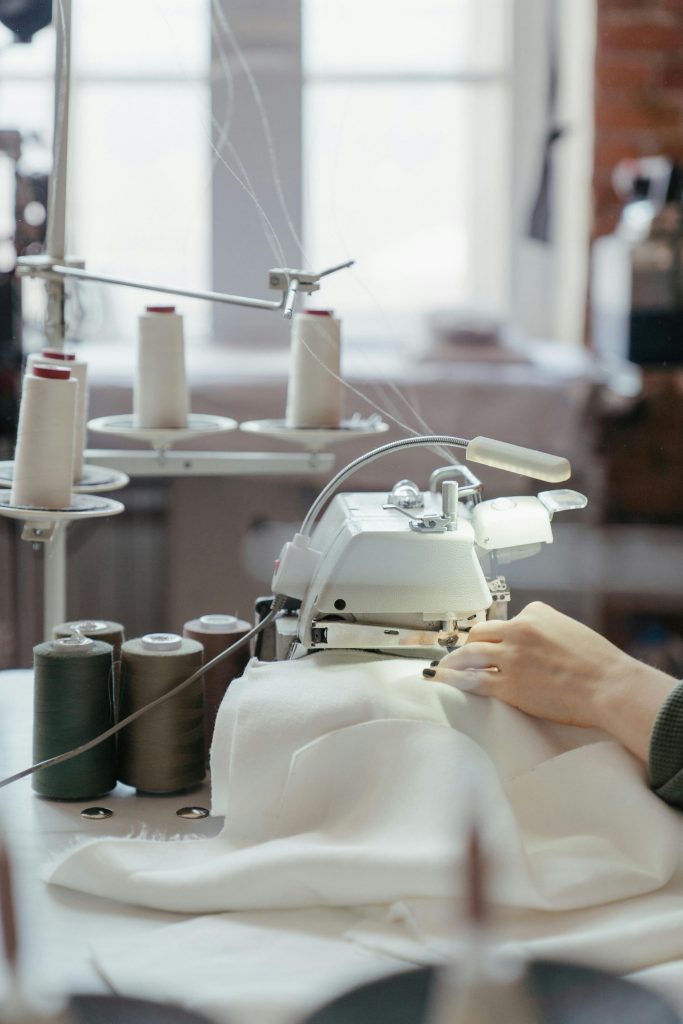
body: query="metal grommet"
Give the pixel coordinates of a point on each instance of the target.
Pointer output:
(96, 813)
(192, 812)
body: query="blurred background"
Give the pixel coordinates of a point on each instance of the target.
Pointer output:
(507, 175)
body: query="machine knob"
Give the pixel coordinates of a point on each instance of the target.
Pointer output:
(406, 494)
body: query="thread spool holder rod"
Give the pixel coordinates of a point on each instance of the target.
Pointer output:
(54, 579)
(55, 271)
(51, 536)
(55, 319)
(47, 528)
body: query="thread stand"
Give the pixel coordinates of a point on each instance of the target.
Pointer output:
(224, 464)
(48, 527)
(161, 438)
(95, 479)
(316, 439)
(55, 268)
(100, 479)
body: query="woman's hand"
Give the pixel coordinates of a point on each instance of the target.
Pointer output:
(552, 667)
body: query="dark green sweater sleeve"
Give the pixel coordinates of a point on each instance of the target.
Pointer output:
(665, 762)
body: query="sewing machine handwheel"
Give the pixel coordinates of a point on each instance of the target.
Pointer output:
(566, 994)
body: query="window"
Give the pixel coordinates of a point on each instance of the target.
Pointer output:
(390, 122)
(139, 157)
(406, 156)
(407, 134)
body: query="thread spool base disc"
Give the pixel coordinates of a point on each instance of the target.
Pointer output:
(81, 506)
(94, 479)
(198, 425)
(98, 479)
(317, 438)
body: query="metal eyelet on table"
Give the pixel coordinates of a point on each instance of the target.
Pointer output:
(96, 813)
(192, 812)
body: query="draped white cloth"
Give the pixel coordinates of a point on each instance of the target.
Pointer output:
(348, 781)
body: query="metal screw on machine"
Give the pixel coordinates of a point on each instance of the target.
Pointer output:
(405, 494)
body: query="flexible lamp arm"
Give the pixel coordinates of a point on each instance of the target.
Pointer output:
(485, 450)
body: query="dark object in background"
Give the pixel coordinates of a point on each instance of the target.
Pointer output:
(10, 357)
(644, 456)
(30, 220)
(25, 17)
(96, 1009)
(637, 272)
(541, 220)
(565, 994)
(270, 645)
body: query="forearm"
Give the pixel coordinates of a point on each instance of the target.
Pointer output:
(665, 761)
(627, 708)
(552, 667)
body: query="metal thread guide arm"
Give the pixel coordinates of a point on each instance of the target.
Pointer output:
(55, 270)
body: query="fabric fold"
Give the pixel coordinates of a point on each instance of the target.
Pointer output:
(347, 779)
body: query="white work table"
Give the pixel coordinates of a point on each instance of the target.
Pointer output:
(59, 926)
(276, 966)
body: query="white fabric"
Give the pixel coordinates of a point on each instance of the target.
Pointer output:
(349, 781)
(342, 784)
(624, 936)
(277, 966)
(269, 966)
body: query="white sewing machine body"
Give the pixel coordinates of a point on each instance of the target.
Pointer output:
(409, 570)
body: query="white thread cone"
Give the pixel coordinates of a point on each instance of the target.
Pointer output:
(79, 370)
(43, 461)
(314, 392)
(160, 397)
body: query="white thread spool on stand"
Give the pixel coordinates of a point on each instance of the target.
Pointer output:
(314, 391)
(160, 397)
(79, 370)
(43, 461)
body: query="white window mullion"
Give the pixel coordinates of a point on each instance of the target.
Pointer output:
(269, 38)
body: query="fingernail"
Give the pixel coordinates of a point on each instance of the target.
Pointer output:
(428, 673)
(433, 664)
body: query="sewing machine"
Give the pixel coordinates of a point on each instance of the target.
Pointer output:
(413, 569)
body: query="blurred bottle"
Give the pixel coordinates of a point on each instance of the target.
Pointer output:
(656, 645)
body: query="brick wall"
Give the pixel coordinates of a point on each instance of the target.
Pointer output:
(638, 91)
